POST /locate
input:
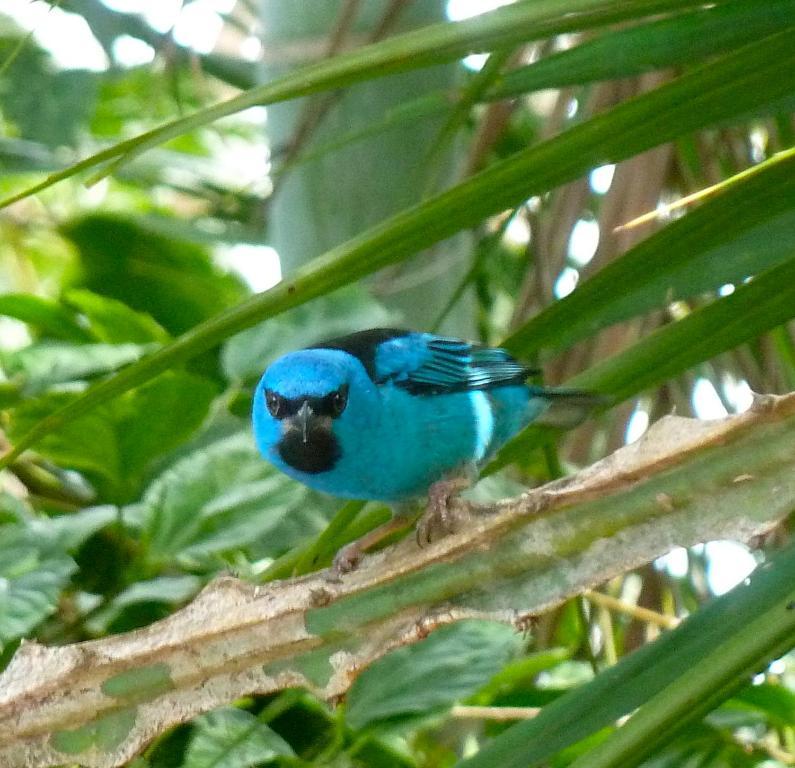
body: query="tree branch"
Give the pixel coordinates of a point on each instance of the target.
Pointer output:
(685, 481)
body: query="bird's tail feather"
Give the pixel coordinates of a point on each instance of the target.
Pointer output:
(567, 407)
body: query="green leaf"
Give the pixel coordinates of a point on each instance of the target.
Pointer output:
(70, 531)
(43, 314)
(246, 355)
(764, 303)
(158, 417)
(752, 77)
(32, 575)
(450, 665)
(163, 589)
(233, 738)
(775, 702)
(681, 39)
(174, 282)
(53, 105)
(224, 497)
(113, 321)
(754, 308)
(115, 445)
(171, 591)
(44, 365)
(674, 680)
(521, 672)
(87, 444)
(436, 44)
(711, 246)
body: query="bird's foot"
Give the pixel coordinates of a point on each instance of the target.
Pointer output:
(346, 560)
(439, 518)
(348, 557)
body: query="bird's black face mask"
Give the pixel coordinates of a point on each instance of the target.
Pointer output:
(308, 443)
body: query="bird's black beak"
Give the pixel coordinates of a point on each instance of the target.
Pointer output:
(303, 416)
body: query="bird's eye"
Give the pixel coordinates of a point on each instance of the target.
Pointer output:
(339, 400)
(273, 401)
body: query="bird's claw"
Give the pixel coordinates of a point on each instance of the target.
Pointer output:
(346, 560)
(439, 519)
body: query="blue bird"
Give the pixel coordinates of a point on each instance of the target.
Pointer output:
(393, 415)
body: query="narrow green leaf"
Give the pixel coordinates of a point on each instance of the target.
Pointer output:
(433, 45)
(682, 39)
(329, 540)
(764, 303)
(682, 675)
(746, 228)
(753, 76)
(738, 649)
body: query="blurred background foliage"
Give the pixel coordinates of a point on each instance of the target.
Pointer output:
(570, 124)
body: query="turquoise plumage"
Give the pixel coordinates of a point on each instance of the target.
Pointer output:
(385, 414)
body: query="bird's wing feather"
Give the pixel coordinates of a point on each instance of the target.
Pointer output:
(425, 364)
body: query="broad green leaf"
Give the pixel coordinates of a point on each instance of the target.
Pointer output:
(166, 589)
(751, 77)
(115, 445)
(45, 365)
(700, 252)
(70, 531)
(450, 665)
(174, 282)
(233, 738)
(520, 673)
(157, 418)
(112, 321)
(220, 498)
(32, 575)
(170, 591)
(688, 670)
(53, 105)
(44, 315)
(87, 445)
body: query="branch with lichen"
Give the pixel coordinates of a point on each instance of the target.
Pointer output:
(98, 703)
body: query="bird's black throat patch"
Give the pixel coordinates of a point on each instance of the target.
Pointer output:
(319, 453)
